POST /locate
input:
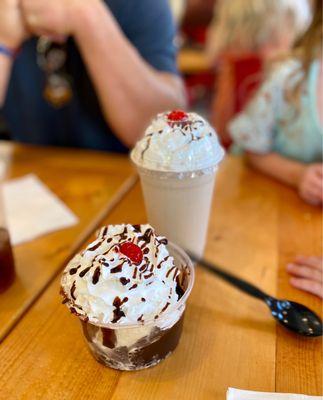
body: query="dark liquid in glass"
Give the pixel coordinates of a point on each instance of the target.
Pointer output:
(7, 266)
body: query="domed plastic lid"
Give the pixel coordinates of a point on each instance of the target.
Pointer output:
(178, 142)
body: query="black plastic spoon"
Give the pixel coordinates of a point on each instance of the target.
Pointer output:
(291, 315)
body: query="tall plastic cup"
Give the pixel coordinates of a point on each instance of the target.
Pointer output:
(178, 205)
(177, 160)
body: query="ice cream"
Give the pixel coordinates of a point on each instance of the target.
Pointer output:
(125, 276)
(129, 288)
(178, 142)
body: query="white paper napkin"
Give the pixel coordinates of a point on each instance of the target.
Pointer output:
(236, 394)
(33, 210)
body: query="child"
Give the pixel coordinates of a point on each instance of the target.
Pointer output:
(281, 128)
(243, 36)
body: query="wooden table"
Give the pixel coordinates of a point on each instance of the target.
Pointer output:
(90, 183)
(229, 339)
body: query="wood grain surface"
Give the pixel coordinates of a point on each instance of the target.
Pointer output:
(89, 183)
(229, 339)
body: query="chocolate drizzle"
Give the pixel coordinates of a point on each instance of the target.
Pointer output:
(149, 136)
(163, 241)
(160, 264)
(117, 312)
(188, 127)
(124, 281)
(96, 275)
(136, 228)
(104, 232)
(175, 273)
(95, 246)
(165, 307)
(85, 271)
(169, 271)
(149, 244)
(146, 236)
(118, 268)
(143, 268)
(73, 271)
(179, 289)
(73, 291)
(133, 286)
(123, 235)
(108, 251)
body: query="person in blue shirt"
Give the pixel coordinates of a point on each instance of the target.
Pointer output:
(120, 55)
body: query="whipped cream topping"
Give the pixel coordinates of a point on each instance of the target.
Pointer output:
(183, 145)
(125, 276)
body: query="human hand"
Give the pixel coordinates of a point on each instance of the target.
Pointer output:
(310, 186)
(53, 18)
(307, 274)
(12, 26)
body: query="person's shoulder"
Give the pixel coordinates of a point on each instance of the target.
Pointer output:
(138, 10)
(285, 72)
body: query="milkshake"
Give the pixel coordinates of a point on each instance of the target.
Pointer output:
(177, 161)
(129, 288)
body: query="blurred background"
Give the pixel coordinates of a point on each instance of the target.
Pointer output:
(224, 49)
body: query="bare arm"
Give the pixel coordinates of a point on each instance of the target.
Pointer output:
(306, 178)
(5, 68)
(281, 168)
(12, 33)
(129, 89)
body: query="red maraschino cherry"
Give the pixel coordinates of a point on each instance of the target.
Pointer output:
(132, 251)
(177, 116)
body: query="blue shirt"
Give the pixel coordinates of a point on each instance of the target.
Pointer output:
(149, 27)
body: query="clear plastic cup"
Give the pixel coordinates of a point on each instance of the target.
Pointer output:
(7, 264)
(142, 345)
(178, 205)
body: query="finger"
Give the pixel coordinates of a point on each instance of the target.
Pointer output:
(308, 286)
(315, 262)
(310, 199)
(31, 13)
(315, 180)
(313, 195)
(318, 168)
(305, 271)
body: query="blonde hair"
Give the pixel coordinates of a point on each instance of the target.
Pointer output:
(307, 49)
(247, 25)
(309, 46)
